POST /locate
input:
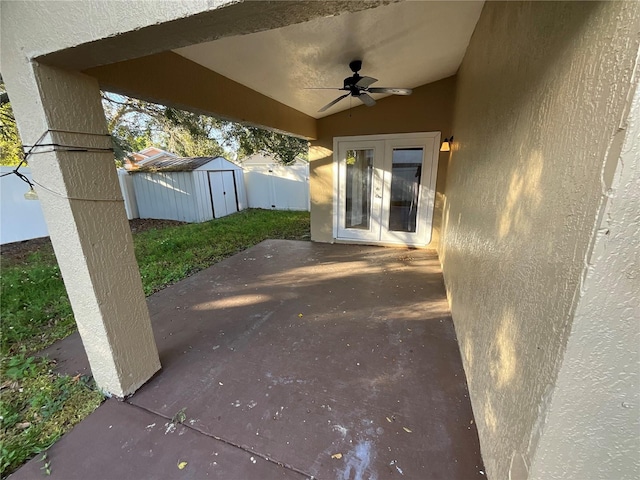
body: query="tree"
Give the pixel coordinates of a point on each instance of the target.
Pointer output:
(136, 124)
(283, 148)
(10, 144)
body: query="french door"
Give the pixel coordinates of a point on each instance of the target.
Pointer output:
(385, 188)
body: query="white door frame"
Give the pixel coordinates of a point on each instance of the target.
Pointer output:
(431, 143)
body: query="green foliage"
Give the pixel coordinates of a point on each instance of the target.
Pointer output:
(283, 148)
(135, 124)
(37, 406)
(18, 367)
(180, 416)
(167, 256)
(34, 303)
(10, 144)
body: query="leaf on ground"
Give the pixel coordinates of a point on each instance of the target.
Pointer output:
(181, 465)
(337, 456)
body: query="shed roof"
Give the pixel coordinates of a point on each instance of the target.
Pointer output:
(167, 163)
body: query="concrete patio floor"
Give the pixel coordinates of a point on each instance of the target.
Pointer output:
(290, 360)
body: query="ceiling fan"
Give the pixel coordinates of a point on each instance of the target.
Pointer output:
(360, 87)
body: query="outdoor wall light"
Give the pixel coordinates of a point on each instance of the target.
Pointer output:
(446, 145)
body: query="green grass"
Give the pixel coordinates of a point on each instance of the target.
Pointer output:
(37, 406)
(168, 255)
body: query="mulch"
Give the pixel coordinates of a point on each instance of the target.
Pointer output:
(18, 251)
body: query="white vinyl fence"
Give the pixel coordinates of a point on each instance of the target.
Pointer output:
(272, 187)
(22, 219)
(276, 187)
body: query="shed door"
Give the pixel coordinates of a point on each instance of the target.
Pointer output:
(229, 192)
(223, 193)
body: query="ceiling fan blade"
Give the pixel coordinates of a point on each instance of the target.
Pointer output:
(331, 104)
(323, 88)
(367, 100)
(364, 82)
(394, 91)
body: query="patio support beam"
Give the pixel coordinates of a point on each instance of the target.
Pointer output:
(171, 79)
(85, 215)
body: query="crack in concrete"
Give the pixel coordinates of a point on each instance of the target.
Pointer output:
(232, 444)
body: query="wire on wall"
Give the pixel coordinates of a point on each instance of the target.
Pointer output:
(57, 147)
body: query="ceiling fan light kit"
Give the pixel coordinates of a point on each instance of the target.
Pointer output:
(360, 87)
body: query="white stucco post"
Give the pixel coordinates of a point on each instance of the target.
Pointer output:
(87, 222)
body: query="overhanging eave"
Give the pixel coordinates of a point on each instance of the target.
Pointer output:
(170, 79)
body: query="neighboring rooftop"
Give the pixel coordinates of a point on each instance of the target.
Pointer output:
(153, 159)
(168, 163)
(137, 159)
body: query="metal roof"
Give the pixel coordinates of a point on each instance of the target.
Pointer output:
(168, 163)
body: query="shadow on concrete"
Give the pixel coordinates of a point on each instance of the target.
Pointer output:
(316, 360)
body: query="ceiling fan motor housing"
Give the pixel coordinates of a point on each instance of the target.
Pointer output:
(350, 83)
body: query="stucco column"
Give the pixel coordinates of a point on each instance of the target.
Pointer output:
(85, 214)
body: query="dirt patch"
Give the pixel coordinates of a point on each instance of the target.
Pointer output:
(142, 224)
(18, 251)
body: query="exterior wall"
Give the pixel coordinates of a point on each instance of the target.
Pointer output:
(542, 94)
(429, 109)
(597, 437)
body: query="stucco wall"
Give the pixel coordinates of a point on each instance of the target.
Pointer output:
(599, 435)
(428, 109)
(542, 93)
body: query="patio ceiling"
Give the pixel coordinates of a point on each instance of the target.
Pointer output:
(404, 44)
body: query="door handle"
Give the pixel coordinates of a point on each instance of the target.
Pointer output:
(378, 196)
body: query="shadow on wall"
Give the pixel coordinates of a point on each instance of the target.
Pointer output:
(439, 201)
(521, 195)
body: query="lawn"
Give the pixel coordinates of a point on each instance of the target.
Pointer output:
(37, 405)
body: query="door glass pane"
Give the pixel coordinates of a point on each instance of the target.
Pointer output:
(358, 188)
(406, 171)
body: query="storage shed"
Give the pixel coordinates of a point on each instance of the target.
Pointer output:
(189, 189)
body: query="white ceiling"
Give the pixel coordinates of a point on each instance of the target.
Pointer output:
(404, 44)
